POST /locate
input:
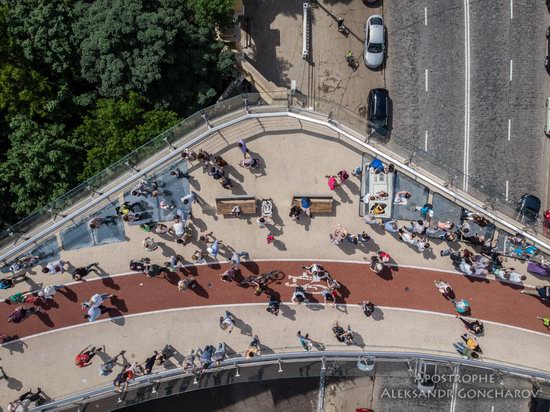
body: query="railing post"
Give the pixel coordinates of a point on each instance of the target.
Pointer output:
(205, 118)
(133, 169)
(170, 145)
(280, 366)
(94, 192)
(49, 209)
(245, 100)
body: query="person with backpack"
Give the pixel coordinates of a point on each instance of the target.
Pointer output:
(367, 307)
(305, 342)
(299, 295)
(273, 305)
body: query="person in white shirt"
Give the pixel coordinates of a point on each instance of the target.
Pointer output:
(178, 228)
(421, 245)
(48, 292)
(407, 237)
(402, 198)
(55, 267)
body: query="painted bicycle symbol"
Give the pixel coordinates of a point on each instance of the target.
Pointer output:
(312, 284)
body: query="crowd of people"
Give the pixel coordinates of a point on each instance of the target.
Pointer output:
(480, 257)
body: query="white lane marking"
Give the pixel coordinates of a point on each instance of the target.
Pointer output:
(261, 305)
(511, 68)
(493, 407)
(426, 16)
(426, 142)
(466, 93)
(426, 79)
(509, 127)
(511, 9)
(454, 389)
(507, 190)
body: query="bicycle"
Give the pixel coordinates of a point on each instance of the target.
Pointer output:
(263, 279)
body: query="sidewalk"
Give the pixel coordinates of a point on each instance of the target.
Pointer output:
(281, 176)
(34, 363)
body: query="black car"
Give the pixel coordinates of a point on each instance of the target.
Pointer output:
(379, 110)
(529, 206)
(547, 60)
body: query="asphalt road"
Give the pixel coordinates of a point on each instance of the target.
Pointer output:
(429, 110)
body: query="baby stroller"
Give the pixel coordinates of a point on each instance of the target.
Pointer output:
(267, 207)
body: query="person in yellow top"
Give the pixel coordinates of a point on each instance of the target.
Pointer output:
(545, 322)
(471, 342)
(378, 208)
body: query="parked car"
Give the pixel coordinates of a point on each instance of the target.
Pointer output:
(370, 2)
(529, 207)
(547, 60)
(374, 41)
(379, 110)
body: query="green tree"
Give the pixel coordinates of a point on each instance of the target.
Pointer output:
(208, 12)
(24, 91)
(117, 127)
(43, 31)
(40, 163)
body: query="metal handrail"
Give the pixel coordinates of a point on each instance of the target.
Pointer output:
(307, 115)
(293, 357)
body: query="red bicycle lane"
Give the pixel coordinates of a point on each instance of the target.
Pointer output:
(409, 288)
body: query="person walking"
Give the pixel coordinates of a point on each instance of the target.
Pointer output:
(83, 271)
(299, 295)
(215, 248)
(85, 356)
(55, 267)
(106, 368)
(97, 300)
(190, 198)
(227, 322)
(242, 147)
(274, 305)
(225, 182)
(367, 307)
(158, 358)
(149, 244)
(305, 342)
(541, 292)
(474, 326)
(22, 313)
(220, 354)
(445, 289)
(235, 260)
(253, 348)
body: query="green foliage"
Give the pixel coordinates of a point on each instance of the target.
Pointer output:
(209, 12)
(24, 91)
(40, 163)
(43, 31)
(115, 128)
(83, 83)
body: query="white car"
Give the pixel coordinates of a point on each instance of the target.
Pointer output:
(374, 41)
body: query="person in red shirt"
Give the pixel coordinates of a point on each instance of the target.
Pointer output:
(85, 356)
(384, 257)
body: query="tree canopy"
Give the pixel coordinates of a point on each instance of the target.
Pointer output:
(84, 82)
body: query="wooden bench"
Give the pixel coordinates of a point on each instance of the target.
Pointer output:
(225, 205)
(319, 203)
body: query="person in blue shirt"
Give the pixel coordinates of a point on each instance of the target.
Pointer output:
(305, 204)
(377, 165)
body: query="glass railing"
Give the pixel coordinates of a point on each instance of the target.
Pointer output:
(409, 368)
(223, 113)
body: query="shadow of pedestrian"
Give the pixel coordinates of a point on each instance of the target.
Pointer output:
(378, 314)
(358, 340)
(233, 172)
(45, 318)
(244, 327)
(166, 250)
(172, 277)
(200, 291)
(171, 352)
(107, 281)
(251, 267)
(344, 197)
(116, 317)
(46, 304)
(68, 293)
(386, 273)
(14, 384)
(287, 312)
(279, 244)
(118, 303)
(15, 345)
(317, 345)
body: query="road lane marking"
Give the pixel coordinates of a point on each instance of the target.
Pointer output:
(426, 142)
(493, 408)
(507, 190)
(426, 79)
(509, 128)
(466, 93)
(511, 68)
(511, 9)
(426, 16)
